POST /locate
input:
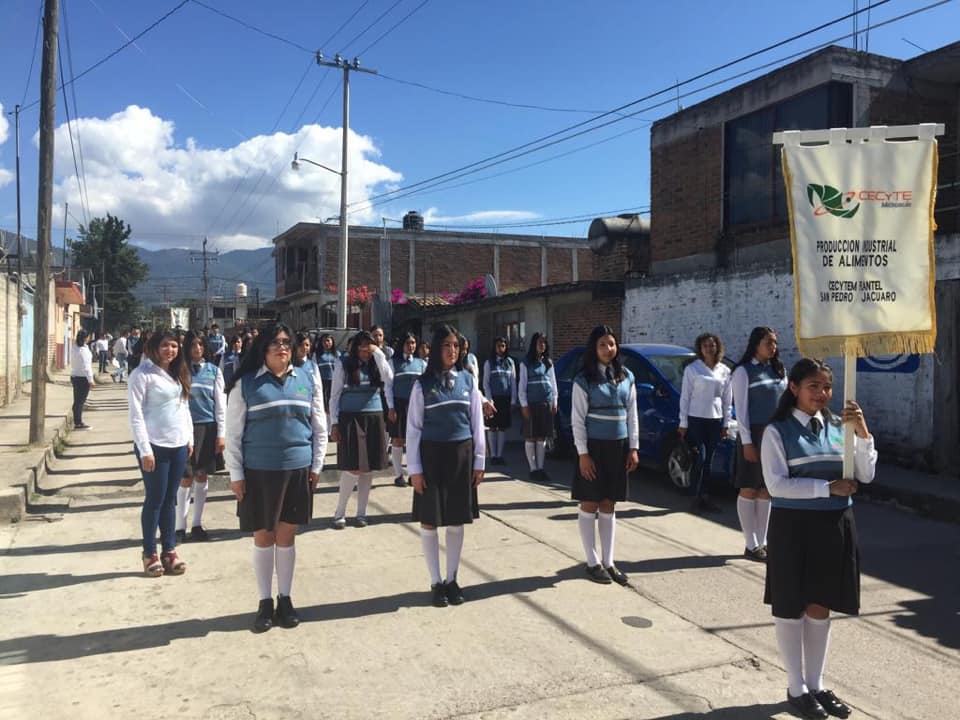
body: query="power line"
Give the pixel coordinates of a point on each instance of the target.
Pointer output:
(120, 49)
(255, 29)
(85, 198)
(345, 23)
(568, 220)
(670, 88)
(33, 55)
(66, 109)
(393, 27)
(369, 27)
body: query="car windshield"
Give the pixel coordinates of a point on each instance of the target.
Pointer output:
(671, 366)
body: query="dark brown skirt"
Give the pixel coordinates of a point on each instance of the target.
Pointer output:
(503, 418)
(204, 458)
(273, 496)
(610, 459)
(450, 497)
(398, 430)
(362, 445)
(540, 422)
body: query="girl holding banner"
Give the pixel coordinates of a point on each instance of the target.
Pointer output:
(757, 382)
(813, 555)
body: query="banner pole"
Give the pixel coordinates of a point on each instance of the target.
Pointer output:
(849, 393)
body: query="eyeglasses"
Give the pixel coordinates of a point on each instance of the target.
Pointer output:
(281, 343)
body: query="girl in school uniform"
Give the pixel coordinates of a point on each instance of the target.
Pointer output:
(407, 367)
(537, 392)
(327, 359)
(757, 383)
(813, 558)
(303, 354)
(158, 394)
(606, 433)
(500, 386)
(361, 382)
(208, 407)
(376, 332)
(423, 352)
(468, 359)
(230, 360)
(705, 400)
(276, 443)
(445, 458)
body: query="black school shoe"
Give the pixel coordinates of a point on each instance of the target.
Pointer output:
(286, 616)
(758, 554)
(198, 534)
(399, 481)
(832, 704)
(438, 595)
(264, 619)
(597, 574)
(454, 593)
(618, 576)
(807, 706)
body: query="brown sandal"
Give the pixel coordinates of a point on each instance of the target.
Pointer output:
(173, 565)
(152, 567)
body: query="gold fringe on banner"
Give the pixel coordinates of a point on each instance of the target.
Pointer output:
(887, 343)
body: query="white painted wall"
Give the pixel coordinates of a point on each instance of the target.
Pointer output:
(675, 309)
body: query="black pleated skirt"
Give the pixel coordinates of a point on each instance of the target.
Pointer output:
(610, 458)
(749, 474)
(813, 557)
(450, 497)
(502, 419)
(398, 429)
(204, 458)
(540, 422)
(275, 495)
(362, 445)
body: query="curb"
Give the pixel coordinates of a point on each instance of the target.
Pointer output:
(930, 506)
(14, 500)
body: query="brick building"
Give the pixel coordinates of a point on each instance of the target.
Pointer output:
(421, 263)
(719, 240)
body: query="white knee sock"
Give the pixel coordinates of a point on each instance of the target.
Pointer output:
(397, 454)
(491, 443)
(199, 500)
(183, 507)
(364, 483)
(454, 540)
(607, 523)
(763, 518)
(431, 553)
(541, 452)
(347, 481)
(286, 560)
(501, 437)
(816, 638)
(531, 449)
(263, 569)
(789, 633)
(747, 512)
(586, 522)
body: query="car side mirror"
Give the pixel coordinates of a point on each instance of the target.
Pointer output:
(646, 390)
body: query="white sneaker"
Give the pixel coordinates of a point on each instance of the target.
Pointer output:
(339, 523)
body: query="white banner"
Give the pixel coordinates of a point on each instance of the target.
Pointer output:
(861, 230)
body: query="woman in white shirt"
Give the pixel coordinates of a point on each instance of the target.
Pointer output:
(81, 377)
(705, 398)
(158, 394)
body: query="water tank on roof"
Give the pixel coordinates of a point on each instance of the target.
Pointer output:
(413, 221)
(241, 290)
(605, 233)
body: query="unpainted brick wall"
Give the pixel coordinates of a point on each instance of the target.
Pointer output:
(573, 322)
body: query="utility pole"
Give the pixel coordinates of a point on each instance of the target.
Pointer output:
(63, 260)
(346, 66)
(203, 257)
(16, 120)
(103, 294)
(41, 313)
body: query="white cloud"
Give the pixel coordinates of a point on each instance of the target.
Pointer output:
(172, 194)
(6, 177)
(432, 216)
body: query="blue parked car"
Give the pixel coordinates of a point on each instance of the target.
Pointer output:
(658, 370)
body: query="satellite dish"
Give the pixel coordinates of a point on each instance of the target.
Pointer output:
(490, 285)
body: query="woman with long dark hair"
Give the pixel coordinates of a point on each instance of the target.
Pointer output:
(230, 360)
(362, 384)
(537, 392)
(813, 557)
(81, 377)
(606, 433)
(208, 407)
(500, 386)
(158, 395)
(407, 367)
(303, 354)
(276, 443)
(445, 458)
(705, 401)
(757, 383)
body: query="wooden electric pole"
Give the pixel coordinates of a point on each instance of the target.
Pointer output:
(41, 311)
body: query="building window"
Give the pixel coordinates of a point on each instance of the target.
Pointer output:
(510, 325)
(753, 175)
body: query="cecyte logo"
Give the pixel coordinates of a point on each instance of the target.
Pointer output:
(827, 200)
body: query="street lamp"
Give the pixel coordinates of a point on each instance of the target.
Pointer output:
(344, 242)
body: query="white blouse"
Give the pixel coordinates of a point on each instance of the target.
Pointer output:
(159, 414)
(705, 393)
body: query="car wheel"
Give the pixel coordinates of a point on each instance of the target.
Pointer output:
(679, 476)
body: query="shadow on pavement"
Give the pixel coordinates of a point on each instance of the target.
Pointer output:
(17, 584)
(744, 712)
(686, 562)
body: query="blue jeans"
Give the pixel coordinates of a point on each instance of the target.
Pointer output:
(160, 497)
(703, 435)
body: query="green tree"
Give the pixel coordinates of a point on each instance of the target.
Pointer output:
(103, 248)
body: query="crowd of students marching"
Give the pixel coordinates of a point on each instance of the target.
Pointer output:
(268, 405)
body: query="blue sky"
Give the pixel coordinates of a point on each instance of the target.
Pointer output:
(190, 132)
